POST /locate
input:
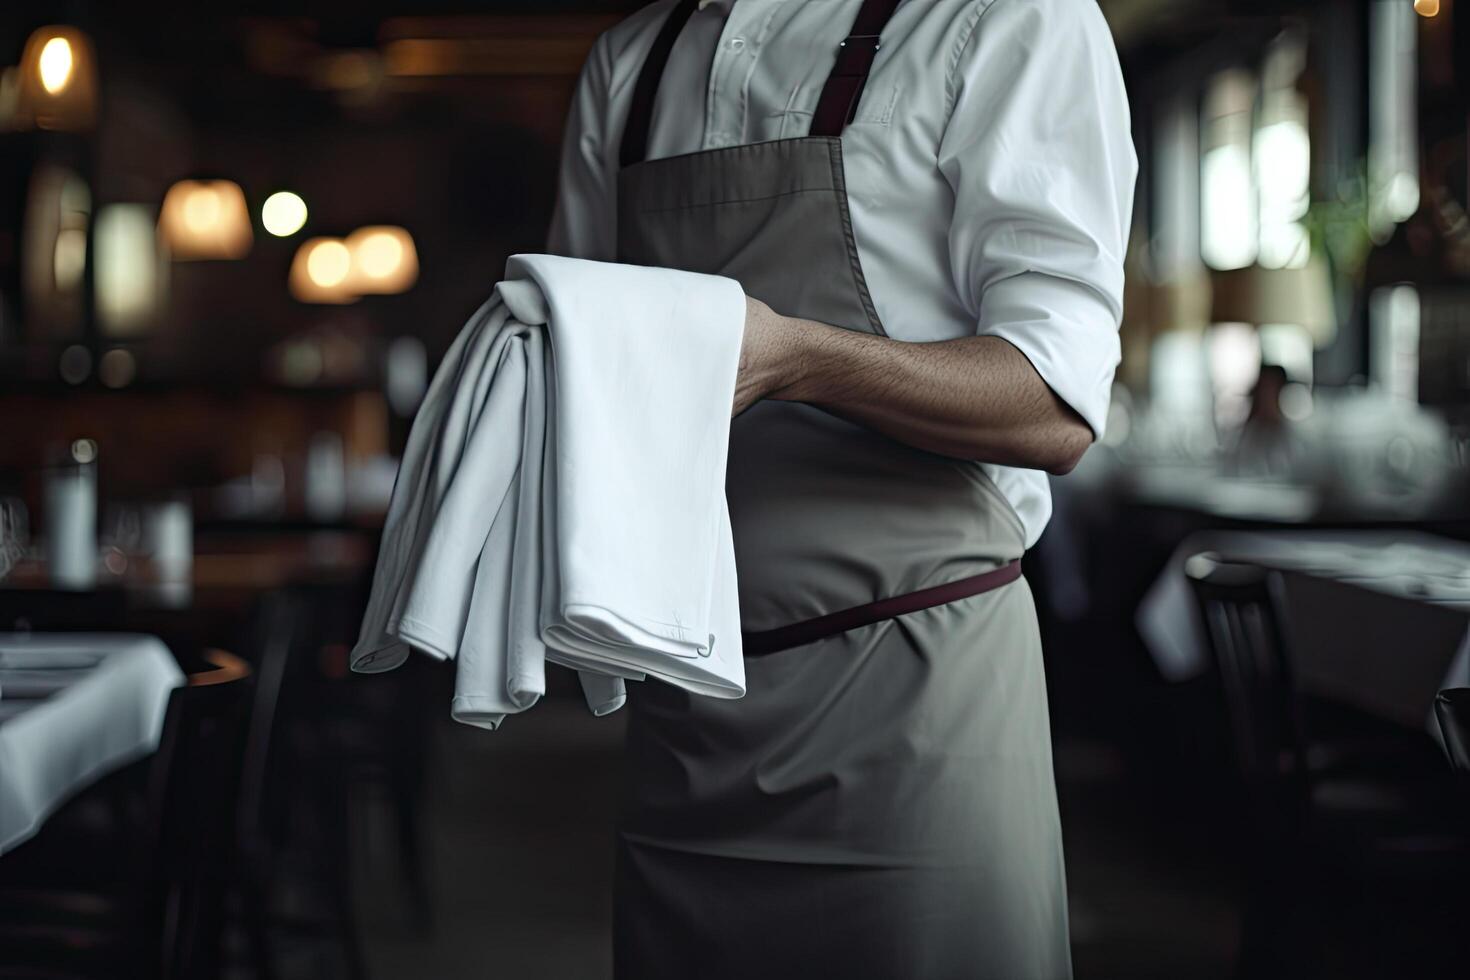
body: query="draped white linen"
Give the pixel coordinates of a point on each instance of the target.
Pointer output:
(561, 497)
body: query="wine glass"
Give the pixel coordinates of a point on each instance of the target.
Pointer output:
(15, 533)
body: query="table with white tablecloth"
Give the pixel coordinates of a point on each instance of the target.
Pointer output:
(74, 707)
(1377, 620)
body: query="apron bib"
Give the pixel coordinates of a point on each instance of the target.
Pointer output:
(881, 801)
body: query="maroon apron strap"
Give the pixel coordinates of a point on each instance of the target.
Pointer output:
(844, 87)
(821, 627)
(634, 147)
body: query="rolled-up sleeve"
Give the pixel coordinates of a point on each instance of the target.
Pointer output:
(1039, 153)
(584, 222)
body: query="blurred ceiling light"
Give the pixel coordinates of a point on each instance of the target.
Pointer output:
(131, 269)
(1426, 8)
(55, 65)
(383, 259)
(58, 81)
(329, 264)
(283, 214)
(321, 271)
(205, 219)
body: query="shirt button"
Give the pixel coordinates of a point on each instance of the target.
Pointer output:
(737, 43)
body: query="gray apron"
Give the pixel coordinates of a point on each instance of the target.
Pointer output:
(881, 802)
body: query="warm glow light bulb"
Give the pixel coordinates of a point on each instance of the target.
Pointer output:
(283, 214)
(202, 208)
(1426, 8)
(379, 255)
(384, 260)
(205, 219)
(55, 65)
(328, 264)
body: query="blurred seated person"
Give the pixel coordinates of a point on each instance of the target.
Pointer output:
(1268, 445)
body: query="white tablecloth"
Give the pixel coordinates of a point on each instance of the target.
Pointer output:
(73, 707)
(1375, 619)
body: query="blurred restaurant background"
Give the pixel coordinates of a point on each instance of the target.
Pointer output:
(235, 239)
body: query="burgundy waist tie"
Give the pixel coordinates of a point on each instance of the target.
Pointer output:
(820, 627)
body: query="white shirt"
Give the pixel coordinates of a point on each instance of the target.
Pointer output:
(989, 168)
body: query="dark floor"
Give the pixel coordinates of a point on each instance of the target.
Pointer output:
(521, 881)
(519, 867)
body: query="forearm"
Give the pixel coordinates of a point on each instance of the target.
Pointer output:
(971, 398)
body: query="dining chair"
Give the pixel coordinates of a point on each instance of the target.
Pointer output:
(1238, 607)
(1452, 709)
(371, 737)
(193, 810)
(285, 788)
(1318, 824)
(164, 917)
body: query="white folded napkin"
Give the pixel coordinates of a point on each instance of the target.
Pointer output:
(561, 497)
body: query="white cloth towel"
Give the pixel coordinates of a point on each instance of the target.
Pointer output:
(561, 497)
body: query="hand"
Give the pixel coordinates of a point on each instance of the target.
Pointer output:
(767, 355)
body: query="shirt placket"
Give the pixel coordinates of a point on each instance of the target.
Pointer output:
(728, 100)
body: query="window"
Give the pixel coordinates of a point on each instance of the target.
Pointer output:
(1229, 230)
(1281, 158)
(1393, 153)
(1255, 166)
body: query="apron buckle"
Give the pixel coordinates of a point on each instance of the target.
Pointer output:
(855, 58)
